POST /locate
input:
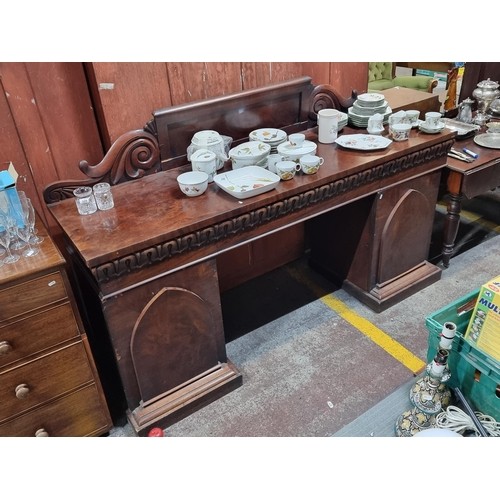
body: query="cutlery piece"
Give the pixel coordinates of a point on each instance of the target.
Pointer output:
(453, 155)
(459, 153)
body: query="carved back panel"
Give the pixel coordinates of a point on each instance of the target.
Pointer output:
(163, 143)
(284, 105)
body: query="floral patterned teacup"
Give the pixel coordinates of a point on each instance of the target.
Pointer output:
(286, 169)
(401, 131)
(310, 163)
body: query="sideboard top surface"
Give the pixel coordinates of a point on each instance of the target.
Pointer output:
(152, 210)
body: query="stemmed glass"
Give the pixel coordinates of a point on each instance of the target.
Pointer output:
(31, 217)
(35, 237)
(25, 234)
(24, 229)
(5, 239)
(8, 214)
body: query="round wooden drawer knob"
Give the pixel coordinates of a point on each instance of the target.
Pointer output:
(5, 347)
(22, 391)
(41, 433)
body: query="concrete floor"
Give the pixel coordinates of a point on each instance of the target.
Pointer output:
(313, 358)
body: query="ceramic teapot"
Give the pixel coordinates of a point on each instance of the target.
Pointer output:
(213, 141)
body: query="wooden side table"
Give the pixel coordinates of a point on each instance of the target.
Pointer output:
(404, 98)
(469, 180)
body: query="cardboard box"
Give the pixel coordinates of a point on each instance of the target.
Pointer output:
(9, 199)
(483, 330)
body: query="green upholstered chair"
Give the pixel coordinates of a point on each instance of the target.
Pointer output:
(381, 77)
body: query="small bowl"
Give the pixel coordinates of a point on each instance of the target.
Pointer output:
(193, 183)
(401, 131)
(249, 153)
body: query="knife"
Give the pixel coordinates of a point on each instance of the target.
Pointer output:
(459, 153)
(461, 158)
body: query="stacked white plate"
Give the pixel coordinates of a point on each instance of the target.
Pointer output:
(272, 136)
(367, 105)
(370, 99)
(368, 110)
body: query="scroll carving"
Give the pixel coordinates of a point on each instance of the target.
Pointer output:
(325, 97)
(131, 156)
(263, 215)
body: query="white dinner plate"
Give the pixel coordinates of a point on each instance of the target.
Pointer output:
(363, 142)
(268, 135)
(370, 99)
(307, 147)
(248, 181)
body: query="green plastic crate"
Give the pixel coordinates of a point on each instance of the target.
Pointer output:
(474, 372)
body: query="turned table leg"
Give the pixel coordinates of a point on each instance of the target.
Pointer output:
(452, 220)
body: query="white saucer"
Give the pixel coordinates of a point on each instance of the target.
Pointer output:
(427, 130)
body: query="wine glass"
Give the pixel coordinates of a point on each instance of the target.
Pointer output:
(11, 214)
(24, 232)
(5, 239)
(23, 228)
(30, 216)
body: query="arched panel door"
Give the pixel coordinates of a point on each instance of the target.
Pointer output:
(172, 341)
(402, 246)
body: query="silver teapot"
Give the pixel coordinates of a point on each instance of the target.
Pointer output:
(485, 93)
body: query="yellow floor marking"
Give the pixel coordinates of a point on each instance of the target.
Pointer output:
(474, 218)
(375, 334)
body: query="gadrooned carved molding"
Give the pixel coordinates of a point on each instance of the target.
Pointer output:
(212, 234)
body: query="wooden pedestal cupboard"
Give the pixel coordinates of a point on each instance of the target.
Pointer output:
(48, 382)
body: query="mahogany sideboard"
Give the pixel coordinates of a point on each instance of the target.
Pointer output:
(150, 266)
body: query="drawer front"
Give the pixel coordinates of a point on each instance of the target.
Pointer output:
(47, 377)
(31, 295)
(29, 336)
(77, 414)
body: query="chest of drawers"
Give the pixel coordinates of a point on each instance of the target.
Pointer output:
(49, 385)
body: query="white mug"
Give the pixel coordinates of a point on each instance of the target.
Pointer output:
(328, 125)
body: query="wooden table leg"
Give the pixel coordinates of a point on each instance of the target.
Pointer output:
(452, 220)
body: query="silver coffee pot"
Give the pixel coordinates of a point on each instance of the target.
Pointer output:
(465, 111)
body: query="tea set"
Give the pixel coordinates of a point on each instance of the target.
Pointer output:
(267, 150)
(284, 155)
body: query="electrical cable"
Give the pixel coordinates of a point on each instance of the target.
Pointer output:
(457, 420)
